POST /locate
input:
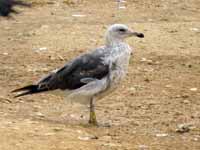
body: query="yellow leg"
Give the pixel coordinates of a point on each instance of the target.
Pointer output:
(92, 120)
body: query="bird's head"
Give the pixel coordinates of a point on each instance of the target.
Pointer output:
(119, 32)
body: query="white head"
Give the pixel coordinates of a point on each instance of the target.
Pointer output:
(118, 32)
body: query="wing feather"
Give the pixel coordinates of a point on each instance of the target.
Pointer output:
(71, 75)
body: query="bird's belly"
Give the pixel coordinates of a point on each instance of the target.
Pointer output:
(115, 81)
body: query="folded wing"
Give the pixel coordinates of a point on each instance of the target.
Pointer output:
(72, 76)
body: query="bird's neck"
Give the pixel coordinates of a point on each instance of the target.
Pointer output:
(113, 42)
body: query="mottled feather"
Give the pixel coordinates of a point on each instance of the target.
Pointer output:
(72, 75)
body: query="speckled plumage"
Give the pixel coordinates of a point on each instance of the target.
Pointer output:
(117, 58)
(92, 75)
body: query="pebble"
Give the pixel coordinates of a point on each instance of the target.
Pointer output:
(5, 53)
(194, 29)
(162, 135)
(186, 101)
(40, 114)
(122, 7)
(88, 137)
(183, 128)
(57, 129)
(42, 49)
(168, 86)
(143, 59)
(78, 15)
(193, 89)
(78, 131)
(49, 134)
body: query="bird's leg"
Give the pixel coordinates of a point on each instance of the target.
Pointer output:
(92, 119)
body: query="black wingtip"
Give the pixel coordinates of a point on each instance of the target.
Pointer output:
(27, 90)
(30, 89)
(22, 94)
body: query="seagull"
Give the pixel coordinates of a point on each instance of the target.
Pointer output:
(6, 6)
(92, 75)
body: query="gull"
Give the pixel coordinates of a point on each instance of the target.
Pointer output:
(93, 75)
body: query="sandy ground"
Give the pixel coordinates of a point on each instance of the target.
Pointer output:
(158, 105)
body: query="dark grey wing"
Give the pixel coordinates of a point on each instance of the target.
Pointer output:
(72, 76)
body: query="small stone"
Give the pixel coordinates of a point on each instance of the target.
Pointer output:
(60, 57)
(78, 131)
(122, 7)
(5, 54)
(40, 114)
(57, 129)
(78, 15)
(183, 128)
(185, 96)
(150, 62)
(193, 89)
(49, 134)
(162, 135)
(173, 31)
(88, 137)
(168, 86)
(42, 48)
(143, 60)
(186, 101)
(194, 29)
(147, 80)
(83, 138)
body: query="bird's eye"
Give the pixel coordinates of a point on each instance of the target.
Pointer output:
(122, 30)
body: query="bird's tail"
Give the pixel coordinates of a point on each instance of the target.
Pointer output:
(30, 89)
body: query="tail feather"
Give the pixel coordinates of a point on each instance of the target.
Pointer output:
(30, 89)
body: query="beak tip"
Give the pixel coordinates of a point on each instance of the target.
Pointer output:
(140, 35)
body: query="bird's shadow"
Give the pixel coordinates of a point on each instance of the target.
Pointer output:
(82, 122)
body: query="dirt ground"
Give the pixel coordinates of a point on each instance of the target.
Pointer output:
(158, 105)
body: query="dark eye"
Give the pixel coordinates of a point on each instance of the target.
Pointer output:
(122, 30)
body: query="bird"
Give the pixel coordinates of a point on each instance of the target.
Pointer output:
(93, 74)
(6, 6)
